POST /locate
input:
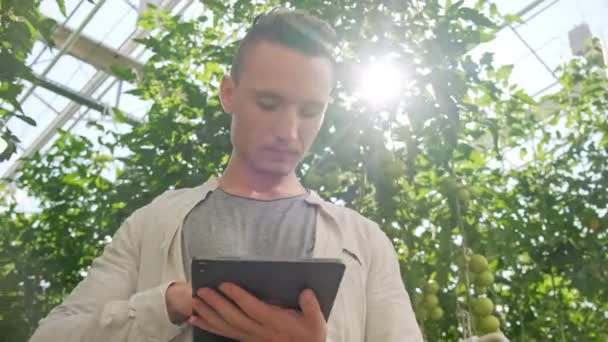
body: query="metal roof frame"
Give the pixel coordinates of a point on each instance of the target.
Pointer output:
(76, 44)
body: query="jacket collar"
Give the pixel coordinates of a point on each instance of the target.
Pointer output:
(212, 184)
(329, 239)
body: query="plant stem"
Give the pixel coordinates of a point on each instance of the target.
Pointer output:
(560, 312)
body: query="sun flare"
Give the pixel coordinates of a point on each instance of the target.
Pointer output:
(380, 82)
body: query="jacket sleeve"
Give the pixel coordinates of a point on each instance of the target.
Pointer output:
(105, 305)
(389, 317)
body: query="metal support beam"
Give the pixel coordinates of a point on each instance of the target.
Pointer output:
(64, 91)
(79, 98)
(524, 11)
(70, 110)
(534, 4)
(66, 46)
(61, 52)
(45, 102)
(100, 56)
(60, 120)
(86, 111)
(533, 52)
(43, 50)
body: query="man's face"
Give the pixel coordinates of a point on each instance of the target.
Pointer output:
(277, 105)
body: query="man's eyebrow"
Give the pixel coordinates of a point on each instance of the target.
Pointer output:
(276, 96)
(266, 93)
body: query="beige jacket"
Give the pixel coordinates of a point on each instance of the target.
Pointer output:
(123, 296)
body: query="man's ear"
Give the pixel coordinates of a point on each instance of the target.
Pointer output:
(227, 88)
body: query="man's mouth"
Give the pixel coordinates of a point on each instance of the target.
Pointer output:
(279, 150)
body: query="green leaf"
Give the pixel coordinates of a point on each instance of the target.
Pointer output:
(604, 142)
(523, 152)
(73, 179)
(513, 19)
(504, 72)
(477, 159)
(486, 36)
(136, 92)
(119, 205)
(46, 28)
(487, 59)
(31, 28)
(452, 7)
(476, 17)
(521, 95)
(92, 123)
(493, 10)
(25, 119)
(123, 73)
(119, 116)
(61, 5)
(3, 145)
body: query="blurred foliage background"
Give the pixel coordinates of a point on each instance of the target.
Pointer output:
(429, 165)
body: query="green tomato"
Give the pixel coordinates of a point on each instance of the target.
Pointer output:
(436, 314)
(484, 279)
(464, 196)
(478, 263)
(430, 301)
(449, 185)
(482, 306)
(488, 324)
(431, 287)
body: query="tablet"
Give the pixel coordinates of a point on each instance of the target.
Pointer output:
(275, 281)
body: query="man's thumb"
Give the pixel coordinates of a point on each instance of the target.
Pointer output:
(310, 305)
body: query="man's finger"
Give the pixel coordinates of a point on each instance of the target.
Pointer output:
(202, 324)
(210, 320)
(253, 307)
(230, 312)
(310, 307)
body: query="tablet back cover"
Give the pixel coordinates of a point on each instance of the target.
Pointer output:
(277, 282)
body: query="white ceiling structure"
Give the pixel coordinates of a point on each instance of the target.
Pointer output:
(91, 38)
(96, 34)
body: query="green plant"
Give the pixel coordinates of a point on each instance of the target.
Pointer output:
(541, 228)
(20, 25)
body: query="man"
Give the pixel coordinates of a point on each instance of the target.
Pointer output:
(138, 290)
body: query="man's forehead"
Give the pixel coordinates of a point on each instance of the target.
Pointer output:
(265, 46)
(285, 71)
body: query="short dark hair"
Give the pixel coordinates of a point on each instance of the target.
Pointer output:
(295, 29)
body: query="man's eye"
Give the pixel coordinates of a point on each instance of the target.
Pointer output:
(267, 104)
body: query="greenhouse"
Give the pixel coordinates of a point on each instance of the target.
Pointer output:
(432, 170)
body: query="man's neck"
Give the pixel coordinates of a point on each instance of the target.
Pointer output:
(239, 179)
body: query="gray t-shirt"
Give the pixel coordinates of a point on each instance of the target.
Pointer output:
(226, 225)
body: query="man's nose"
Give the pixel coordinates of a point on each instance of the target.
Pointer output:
(286, 128)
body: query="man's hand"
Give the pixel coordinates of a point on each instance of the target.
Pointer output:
(248, 319)
(179, 302)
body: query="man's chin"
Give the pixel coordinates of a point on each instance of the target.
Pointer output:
(275, 169)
